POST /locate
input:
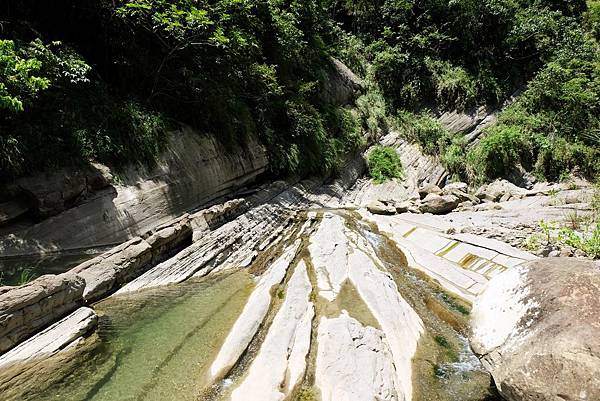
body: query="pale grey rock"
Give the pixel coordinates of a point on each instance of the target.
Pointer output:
(53, 339)
(329, 250)
(377, 207)
(26, 309)
(193, 170)
(354, 362)
(429, 188)
(438, 204)
(114, 268)
(459, 186)
(253, 314)
(536, 330)
(418, 168)
(400, 323)
(281, 361)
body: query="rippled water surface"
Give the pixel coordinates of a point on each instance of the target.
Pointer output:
(158, 344)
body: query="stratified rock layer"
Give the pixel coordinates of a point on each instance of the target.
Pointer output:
(281, 361)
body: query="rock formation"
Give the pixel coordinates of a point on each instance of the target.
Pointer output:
(536, 329)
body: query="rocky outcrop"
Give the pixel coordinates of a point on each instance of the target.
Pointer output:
(26, 309)
(354, 362)
(461, 263)
(418, 168)
(192, 170)
(252, 316)
(53, 339)
(536, 330)
(341, 86)
(281, 361)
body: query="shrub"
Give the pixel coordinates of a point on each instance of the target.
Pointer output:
(427, 132)
(497, 152)
(384, 164)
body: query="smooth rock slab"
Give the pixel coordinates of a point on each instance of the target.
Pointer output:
(329, 254)
(281, 360)
(536, 329)
(400, 323)
(354, 363)
(253, 314)
(53, 339)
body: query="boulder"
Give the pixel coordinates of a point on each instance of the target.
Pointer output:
(459, 186)
(461, 194)
(498, 189)
(342, 85)
(377, 207)
(536, 328)
(438, 204)
(428, 188)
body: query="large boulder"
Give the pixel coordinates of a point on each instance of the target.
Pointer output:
(341, 86)
(438, 204)
(377, 207)
(536, 329)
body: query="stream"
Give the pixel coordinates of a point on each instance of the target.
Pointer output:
(159, 343)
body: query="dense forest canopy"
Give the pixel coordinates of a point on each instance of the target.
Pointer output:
(105, 80)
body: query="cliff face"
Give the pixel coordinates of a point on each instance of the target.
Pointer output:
(81, 209)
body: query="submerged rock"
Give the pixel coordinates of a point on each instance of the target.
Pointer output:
(537, 330)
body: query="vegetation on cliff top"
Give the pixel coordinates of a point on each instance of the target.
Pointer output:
(104, 80)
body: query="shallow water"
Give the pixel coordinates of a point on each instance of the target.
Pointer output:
(22, 269)
(157, 344)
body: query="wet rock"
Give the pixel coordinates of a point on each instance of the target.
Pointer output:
(253, 314)
(536, 330)
(400, 323)
(377, 207)
(281, 360)
(26, 309)
(354, 363)
(438, 204)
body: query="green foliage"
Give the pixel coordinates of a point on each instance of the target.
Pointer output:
(384, 164)
(497, 152)
(588, 242)
(426, 131)
(554, 127)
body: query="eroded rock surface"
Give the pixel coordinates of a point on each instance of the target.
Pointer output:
(536, 328)
(253, 314)
(281, 361)
(354, 363)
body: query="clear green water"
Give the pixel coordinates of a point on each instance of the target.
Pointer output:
(157, 344)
